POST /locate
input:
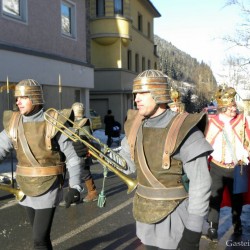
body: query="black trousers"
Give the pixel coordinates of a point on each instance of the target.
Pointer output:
(86, 173)
(222, 177)
(109, 140)
(41, 222)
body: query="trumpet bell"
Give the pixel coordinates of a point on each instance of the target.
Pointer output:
(17, 192)
(5, 185)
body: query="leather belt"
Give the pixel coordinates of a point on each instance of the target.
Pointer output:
(173, 193)
(223, 165)
(40, 171)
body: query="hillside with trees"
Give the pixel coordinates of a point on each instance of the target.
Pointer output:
(182, 68)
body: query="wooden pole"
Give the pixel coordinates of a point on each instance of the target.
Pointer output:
(60, 92)
(11, 152)
(8, 93)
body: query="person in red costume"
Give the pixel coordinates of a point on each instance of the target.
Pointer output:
(229, 134)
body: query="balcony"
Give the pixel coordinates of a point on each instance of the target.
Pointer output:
(107, 30)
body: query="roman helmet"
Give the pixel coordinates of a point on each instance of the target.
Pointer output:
(176, 100)
(78, 109)
(155, 82)
(31, 89)
(225, 97)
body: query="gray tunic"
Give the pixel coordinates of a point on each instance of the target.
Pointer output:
(191, 212)
(73, 163)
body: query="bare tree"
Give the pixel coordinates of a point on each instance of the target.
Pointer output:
(239, 65)
(242, 32)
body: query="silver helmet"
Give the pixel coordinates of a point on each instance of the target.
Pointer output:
(31, 89)
(78, 109)
(155, 82)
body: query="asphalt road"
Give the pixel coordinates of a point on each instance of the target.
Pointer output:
(87, 226)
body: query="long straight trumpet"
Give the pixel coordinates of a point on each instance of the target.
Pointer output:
(111, 156)
(100, 156)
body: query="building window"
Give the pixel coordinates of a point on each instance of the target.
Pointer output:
(68, 15)
(136, 63)
(149, 64)
(15, 9)
(149, 30)
(143, 64)
(118, 7)
(139, 22)
(100, 8)
(155, 49)
(129, 60)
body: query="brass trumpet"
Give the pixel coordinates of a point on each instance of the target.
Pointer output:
(99, 155)
(17, 192)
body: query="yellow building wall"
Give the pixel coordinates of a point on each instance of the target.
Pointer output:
(113, 37)
(106, 56)
(110, 27)
(147, 17)
(143, 47)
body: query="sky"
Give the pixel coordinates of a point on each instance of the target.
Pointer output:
(197, 28)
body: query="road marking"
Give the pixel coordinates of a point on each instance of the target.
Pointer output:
(90, 223)
(10, 204)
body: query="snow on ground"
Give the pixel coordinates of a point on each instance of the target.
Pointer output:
(100, 134)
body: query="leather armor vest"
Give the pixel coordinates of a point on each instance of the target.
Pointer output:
(151, 206)
(46, 155)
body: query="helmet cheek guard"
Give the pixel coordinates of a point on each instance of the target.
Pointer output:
(31, 89)
(155, 82)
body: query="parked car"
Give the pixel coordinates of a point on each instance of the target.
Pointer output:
(96, 120)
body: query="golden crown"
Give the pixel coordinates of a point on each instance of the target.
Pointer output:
(225, 96)
(175, 95)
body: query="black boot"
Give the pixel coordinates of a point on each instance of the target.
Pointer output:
(212, 231)
(237, 227)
